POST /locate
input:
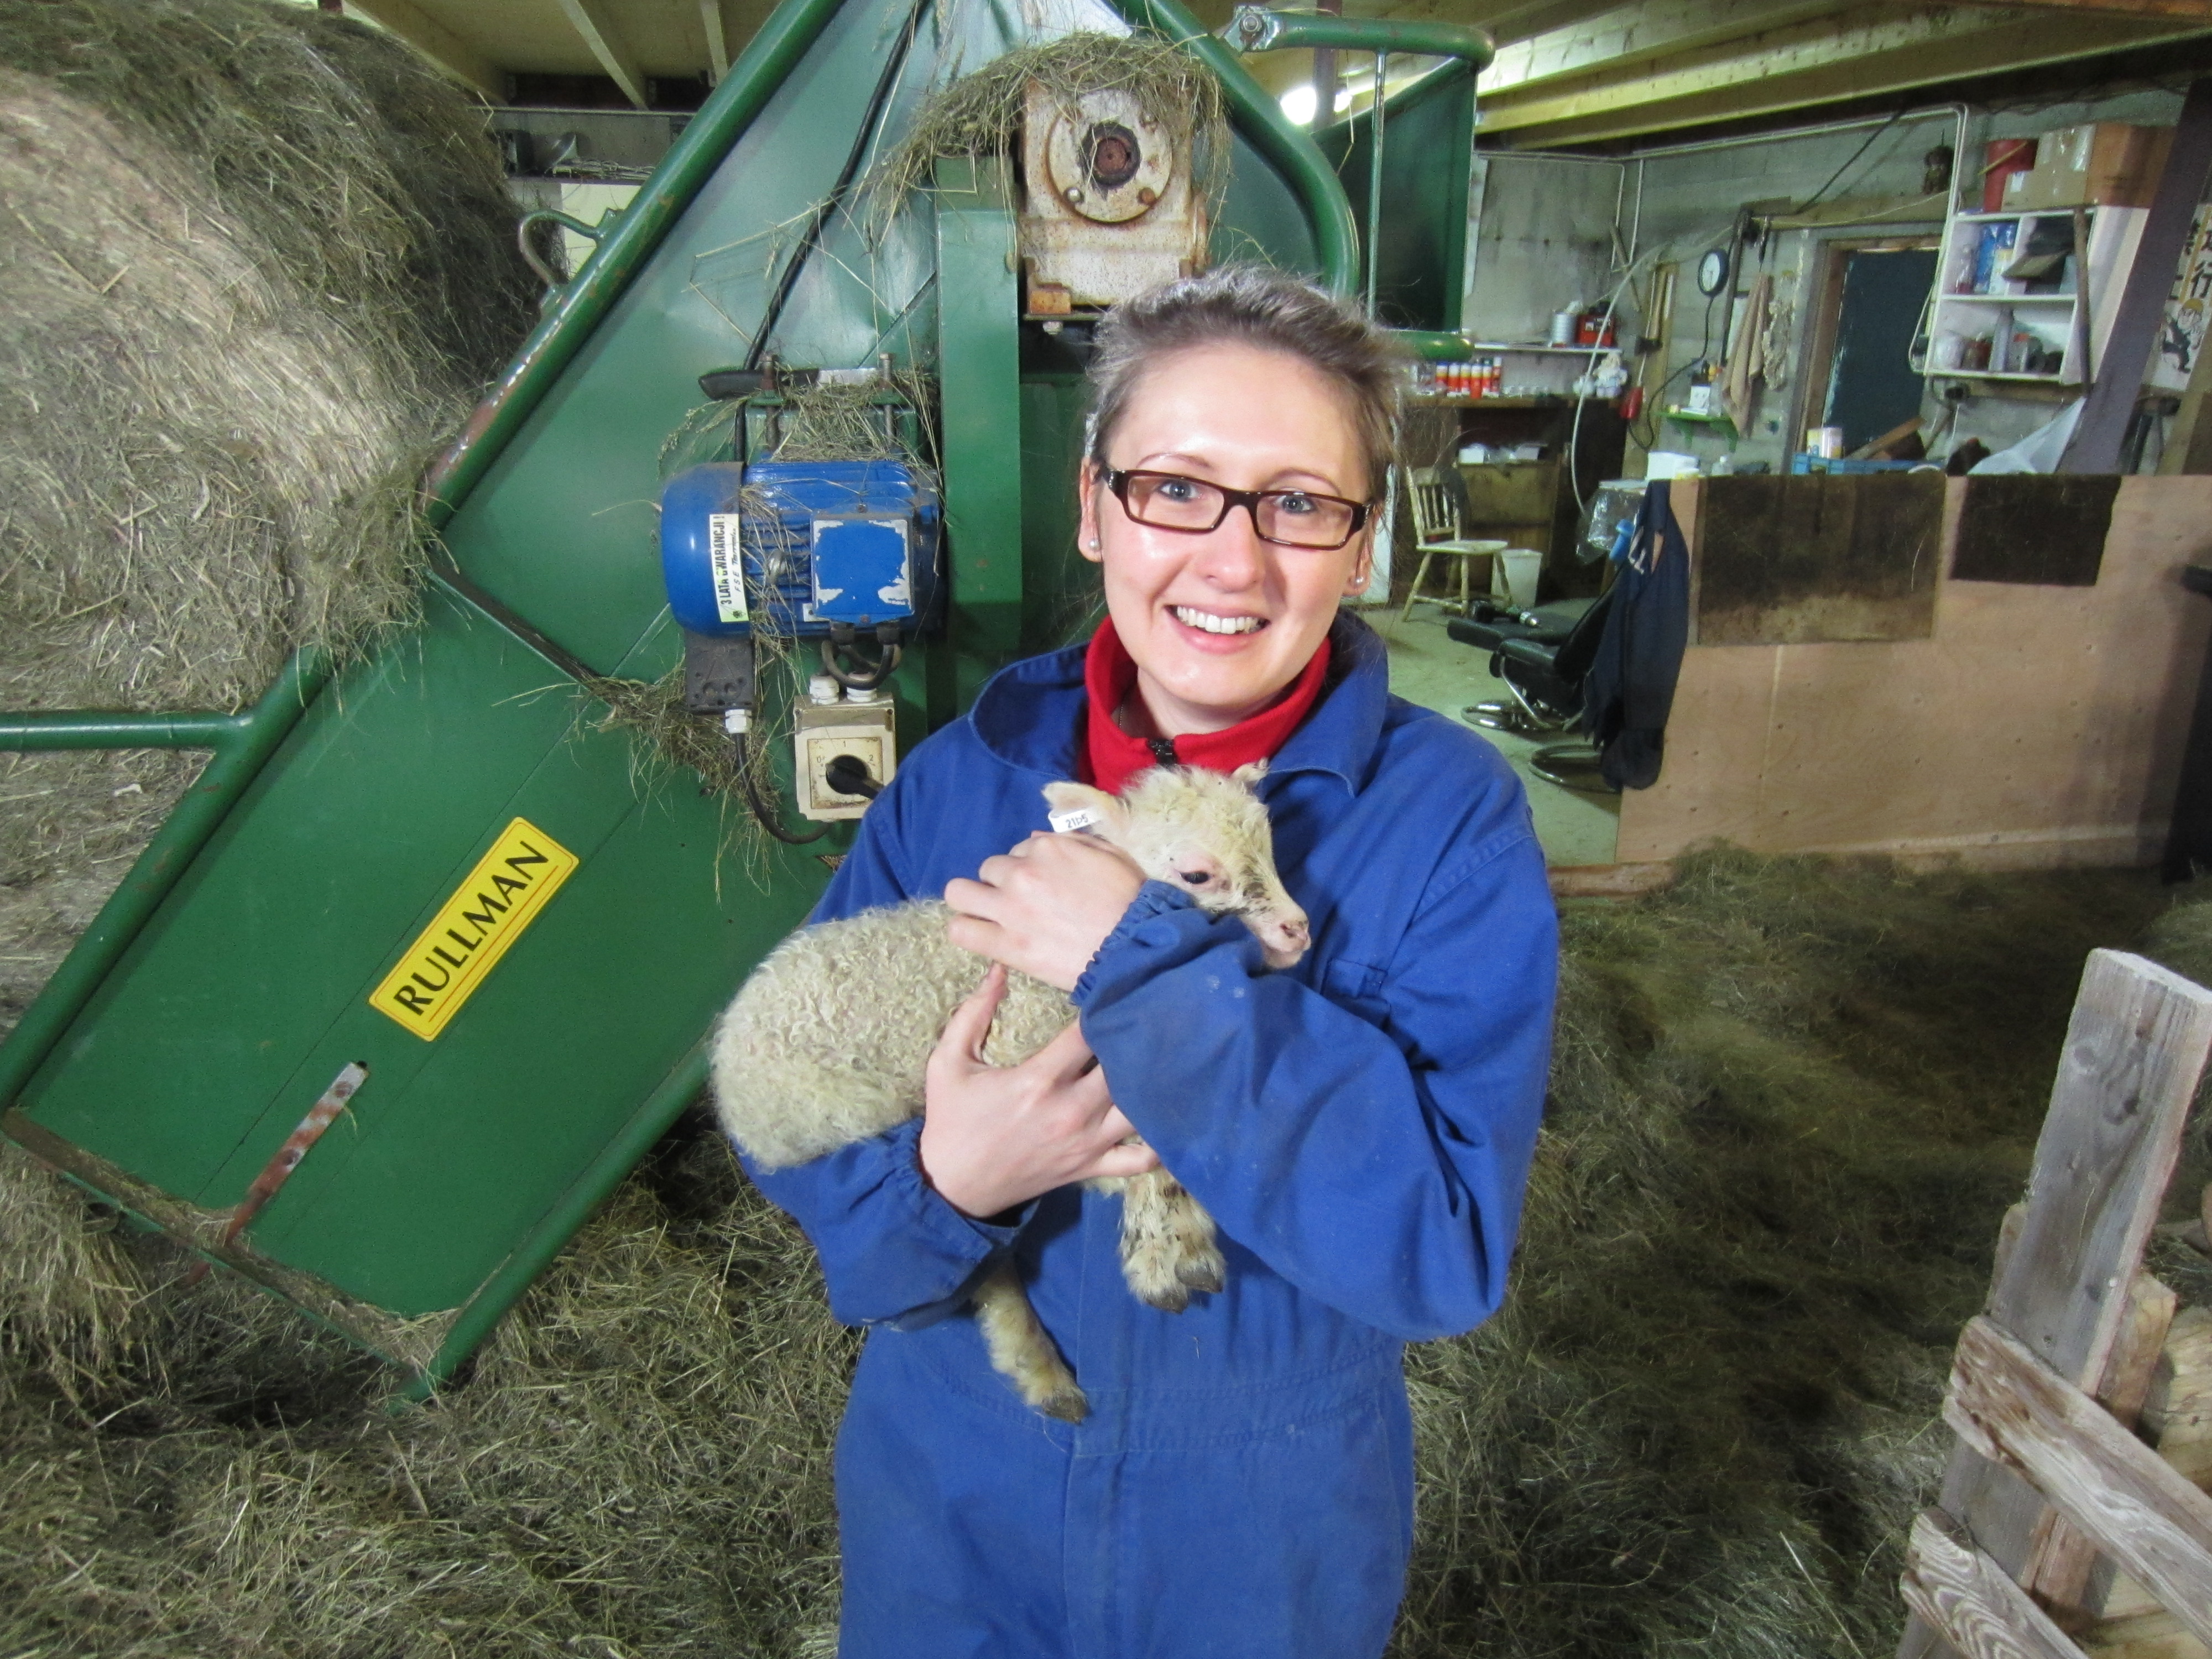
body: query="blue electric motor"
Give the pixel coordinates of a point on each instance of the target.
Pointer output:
(812, 546)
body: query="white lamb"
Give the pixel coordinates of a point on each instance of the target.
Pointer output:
(826, 1043)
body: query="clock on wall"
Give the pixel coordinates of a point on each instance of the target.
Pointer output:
(1713, 271)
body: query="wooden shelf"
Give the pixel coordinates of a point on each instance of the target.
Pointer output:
(2005, 299)
(1423, 400)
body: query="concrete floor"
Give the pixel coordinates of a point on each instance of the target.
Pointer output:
(1429, 667)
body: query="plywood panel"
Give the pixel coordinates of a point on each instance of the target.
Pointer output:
(2037, 725)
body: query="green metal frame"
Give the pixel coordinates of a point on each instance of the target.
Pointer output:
(1258, 28)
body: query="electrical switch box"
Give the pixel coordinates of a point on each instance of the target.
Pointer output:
(861, 724)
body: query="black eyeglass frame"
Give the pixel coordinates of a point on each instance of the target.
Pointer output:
(1117, 480)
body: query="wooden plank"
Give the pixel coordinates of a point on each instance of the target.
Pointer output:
(1957, 1590)
(2062, 1557)
(2135, 1049)
(2095, 444)
(2012, 1408)
(2047, 531)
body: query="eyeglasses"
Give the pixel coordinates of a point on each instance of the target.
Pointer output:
(1289, 517)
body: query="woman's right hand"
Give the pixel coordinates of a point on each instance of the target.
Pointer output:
(996, 1136)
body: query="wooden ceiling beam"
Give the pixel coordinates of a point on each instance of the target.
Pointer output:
(593, 20)
(455, 56)
(718, 41)
(1509, 21)
(1803, 65)
(2199, 9)
(1649, 32)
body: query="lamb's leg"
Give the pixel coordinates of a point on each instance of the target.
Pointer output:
(1021, 1351)
(1168, 1248)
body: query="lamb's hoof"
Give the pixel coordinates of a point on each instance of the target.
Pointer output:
(1168, 1299)
(1069, 1405)
(1204, 1274)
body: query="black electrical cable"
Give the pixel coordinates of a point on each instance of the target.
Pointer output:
(764, 812)
(1820, 195)
(870, 121)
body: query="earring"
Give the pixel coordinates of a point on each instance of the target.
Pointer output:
(1094, 543)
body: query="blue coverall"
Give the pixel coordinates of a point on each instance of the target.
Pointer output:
(1359, 1127)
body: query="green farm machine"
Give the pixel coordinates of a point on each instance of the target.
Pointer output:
(424, 962)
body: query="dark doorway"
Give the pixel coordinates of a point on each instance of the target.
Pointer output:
(1872, 386)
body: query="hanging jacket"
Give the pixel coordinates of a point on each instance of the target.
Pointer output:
(1359, 1127)
(1630, 690)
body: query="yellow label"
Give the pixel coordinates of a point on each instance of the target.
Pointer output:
(487, 913)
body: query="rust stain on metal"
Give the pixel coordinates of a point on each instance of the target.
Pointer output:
(278, 1169)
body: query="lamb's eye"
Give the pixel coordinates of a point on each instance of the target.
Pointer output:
(1196, 877)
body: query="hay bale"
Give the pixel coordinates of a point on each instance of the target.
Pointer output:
(259, 262)
(1791, 1100)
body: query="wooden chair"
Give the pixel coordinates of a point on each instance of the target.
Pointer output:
(1437, 530)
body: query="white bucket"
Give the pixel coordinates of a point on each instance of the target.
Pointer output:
(1521, 569)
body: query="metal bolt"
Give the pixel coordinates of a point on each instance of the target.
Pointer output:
(1148, 196)
(1072, 194)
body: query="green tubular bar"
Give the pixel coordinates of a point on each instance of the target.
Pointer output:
(242, 744)
(790, 31)
(93, 728)
(1258, 28)
(1336, 231)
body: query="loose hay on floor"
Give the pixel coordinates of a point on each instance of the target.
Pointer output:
(1791, 1101)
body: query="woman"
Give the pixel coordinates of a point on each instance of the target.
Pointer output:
(1360, 1126)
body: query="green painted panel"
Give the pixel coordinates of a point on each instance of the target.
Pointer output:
(1428, 138)
(979, 374)
(236, 1009)
(1262, 219)
(1060, 598)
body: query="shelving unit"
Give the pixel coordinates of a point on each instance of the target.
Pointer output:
(1975, 301)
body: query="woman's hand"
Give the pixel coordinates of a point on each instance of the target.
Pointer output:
(1046, 906)
(993, 1137)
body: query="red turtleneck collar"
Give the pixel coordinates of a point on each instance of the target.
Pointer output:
(1113, 757)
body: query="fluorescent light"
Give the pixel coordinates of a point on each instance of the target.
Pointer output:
(1298, 104)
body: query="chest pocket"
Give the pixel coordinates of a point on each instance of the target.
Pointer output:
(1358, 987)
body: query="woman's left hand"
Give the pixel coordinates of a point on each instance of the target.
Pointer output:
(1046, 906)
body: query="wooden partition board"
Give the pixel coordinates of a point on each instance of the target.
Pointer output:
(2037, 726)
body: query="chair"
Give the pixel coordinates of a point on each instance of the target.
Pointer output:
(1488, 629)
(1437, 530)
(1547, 680)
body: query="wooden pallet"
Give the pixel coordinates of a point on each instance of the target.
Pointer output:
(2048, 1480)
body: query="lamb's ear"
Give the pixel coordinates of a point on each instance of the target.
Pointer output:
(1079, 806)
(1249, 773)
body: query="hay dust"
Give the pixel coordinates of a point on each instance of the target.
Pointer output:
(1791, 1101)
(256, 263)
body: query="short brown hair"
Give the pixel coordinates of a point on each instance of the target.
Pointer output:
(1257, 306)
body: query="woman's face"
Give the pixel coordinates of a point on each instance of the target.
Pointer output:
(1219, 623)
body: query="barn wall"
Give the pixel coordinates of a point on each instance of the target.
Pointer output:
(2039, 727)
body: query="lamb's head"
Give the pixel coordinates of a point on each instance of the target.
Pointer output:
(1205, 834)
